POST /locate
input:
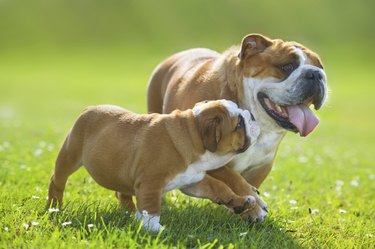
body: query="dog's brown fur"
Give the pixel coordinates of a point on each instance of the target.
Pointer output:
(202, 74)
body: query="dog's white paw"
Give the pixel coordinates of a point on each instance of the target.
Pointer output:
(250, 199)
(257, 212)
(150, 222)
(262, 204)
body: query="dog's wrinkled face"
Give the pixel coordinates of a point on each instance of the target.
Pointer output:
(224, 127)
(283, 79)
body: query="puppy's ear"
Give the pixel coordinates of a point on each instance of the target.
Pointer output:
(253, 44)
(211, 134)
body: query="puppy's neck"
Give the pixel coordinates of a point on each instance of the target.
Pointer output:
(187, 133)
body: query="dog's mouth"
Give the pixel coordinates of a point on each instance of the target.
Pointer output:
(296, 118)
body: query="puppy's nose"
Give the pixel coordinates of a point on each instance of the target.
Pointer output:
(313, 74)
(252, 117)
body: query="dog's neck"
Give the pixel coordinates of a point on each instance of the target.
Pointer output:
(225, 69)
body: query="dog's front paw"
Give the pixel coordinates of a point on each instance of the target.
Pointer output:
(150, 222)
(258, 211)
(239, 204)
(247, 202)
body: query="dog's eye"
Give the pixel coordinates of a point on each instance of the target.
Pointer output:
(241, 122)
(288, 68)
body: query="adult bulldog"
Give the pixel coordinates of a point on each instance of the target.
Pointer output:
(276, 80)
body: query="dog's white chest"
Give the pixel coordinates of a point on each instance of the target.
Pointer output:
(260, 153)
(196, 171)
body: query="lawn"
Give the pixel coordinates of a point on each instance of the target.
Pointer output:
(320, 193)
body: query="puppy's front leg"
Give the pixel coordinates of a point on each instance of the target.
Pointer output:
(219, 192)
(148, 195)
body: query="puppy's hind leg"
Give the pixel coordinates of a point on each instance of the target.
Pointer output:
(148, 194)
(67, 162)
(126, 201)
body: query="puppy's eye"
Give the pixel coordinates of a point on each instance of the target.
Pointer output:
(241, 122)
(288, 68)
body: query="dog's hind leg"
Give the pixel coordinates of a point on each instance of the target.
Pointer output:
(67, 162)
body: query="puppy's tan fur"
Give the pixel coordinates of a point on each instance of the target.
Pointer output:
(139, 155)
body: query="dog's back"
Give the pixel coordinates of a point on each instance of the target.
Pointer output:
(162, 76)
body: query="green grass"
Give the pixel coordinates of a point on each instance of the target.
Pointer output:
(331, 171)
(53, 65)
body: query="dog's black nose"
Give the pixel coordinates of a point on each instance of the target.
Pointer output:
(312, 85)
(313, 74)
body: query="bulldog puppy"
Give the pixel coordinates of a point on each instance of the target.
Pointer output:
(275, 80)
(149, 155)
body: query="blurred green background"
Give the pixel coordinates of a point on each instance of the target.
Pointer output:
(56, 57)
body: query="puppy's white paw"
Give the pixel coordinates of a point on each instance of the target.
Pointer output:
(150, 222)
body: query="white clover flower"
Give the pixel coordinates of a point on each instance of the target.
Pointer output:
(339, 183)
(243, 234)
(355, 182)
(343, 211)
(53, 210)
(50, 147)
(302, 159)
(314, 211)
(38, 152)
(292, 202)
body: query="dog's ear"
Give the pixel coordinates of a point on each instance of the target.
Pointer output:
(253, 44)
(210, 129)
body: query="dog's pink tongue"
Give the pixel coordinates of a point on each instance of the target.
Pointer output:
(302, 118)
